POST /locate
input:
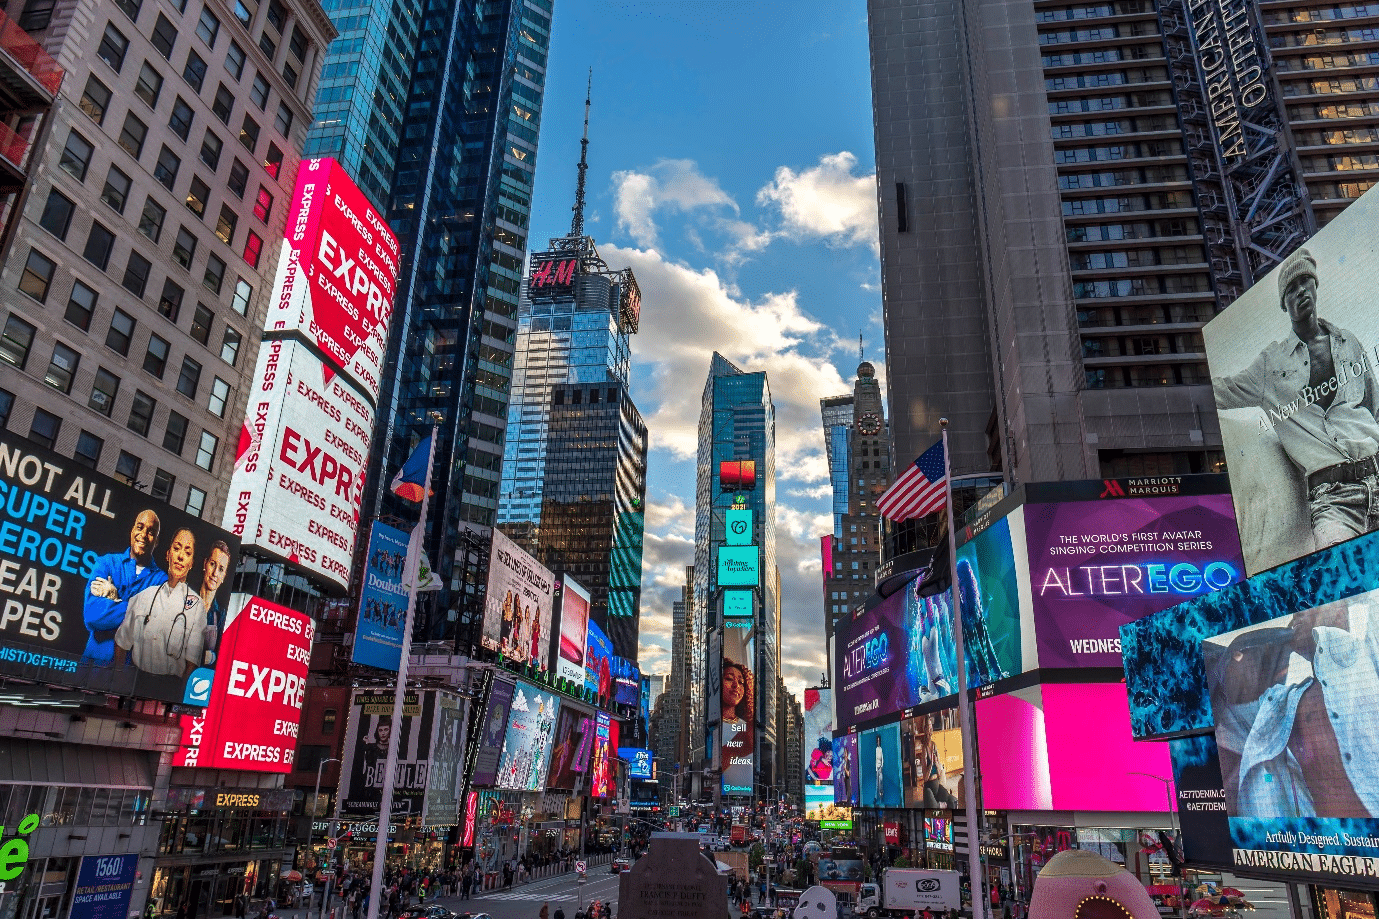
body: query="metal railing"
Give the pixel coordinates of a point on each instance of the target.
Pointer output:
(15, 42)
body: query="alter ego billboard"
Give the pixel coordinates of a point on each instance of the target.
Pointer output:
(1300, 435)
(257, 694)
(102, 587)
(517, 609)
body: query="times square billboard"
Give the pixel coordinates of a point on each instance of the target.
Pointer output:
(255, 710)
(1046, 578)
(103, 588)
(1266, 689)
(303, 449)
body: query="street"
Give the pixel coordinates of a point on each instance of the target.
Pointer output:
(524, 901)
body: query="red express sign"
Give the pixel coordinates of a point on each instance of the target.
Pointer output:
(300, 463)
(337, 273)
(256, 700)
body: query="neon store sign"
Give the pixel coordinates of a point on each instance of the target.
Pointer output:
(1181, 578)
(14, 853)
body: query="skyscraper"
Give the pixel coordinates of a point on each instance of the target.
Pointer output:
(592, 515)
(856, 434)
(460, 205)
(359, 104)
(574, 325)
(737, 427)
(1066, 196)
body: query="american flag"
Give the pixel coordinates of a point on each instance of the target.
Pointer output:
(922, 489)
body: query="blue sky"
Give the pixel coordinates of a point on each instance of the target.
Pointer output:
(731, 166)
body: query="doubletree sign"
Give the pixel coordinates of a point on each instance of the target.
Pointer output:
(14, 854)
(552, 275)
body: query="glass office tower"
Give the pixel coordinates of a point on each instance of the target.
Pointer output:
(358, 114)
(737, 423)
(460, 205)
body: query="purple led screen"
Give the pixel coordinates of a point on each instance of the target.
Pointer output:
(1095, 566)
(871, 678)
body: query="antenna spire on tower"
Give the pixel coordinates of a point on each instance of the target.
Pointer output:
(860, 350)
(577, 225)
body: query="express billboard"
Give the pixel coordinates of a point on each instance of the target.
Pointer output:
(337, 273)
(1097, 565)
(366, 745)
(574, 630)
(1292, 364)
(102, 587)
(737, 707)
(300, 462)
(527, 744)
(517, 609)
(257, 693)
(382, 600)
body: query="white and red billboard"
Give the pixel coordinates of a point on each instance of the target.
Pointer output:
(337, 273)
(300, 462)
(256, 700)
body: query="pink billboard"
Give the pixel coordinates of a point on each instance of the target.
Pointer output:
(1067, 746)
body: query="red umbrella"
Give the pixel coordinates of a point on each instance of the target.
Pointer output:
(292, 876)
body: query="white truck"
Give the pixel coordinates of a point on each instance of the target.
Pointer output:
(905, 891)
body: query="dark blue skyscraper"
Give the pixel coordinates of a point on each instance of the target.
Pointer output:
(460, 205)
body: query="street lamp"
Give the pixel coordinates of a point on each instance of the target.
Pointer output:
(315, 807)
(1173, 825)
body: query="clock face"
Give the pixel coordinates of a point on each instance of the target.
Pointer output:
(869, 423)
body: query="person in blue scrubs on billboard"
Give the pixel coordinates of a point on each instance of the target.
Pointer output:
(116, 578)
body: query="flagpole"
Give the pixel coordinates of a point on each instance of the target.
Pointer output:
(966, 723)
(385, 804)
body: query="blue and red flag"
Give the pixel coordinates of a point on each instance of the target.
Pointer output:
(410, 483)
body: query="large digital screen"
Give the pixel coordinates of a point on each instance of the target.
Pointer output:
(366, 746)
(1164, 670)
(527, 745)
(300, 461)
(257, 693)
(627, 682)
(932, 761)
(818, 735)
(574, 743)
(603, 769)
(1068, 746)
(382, 600)
(737, 707)
(638, 761)
(598, 662)
(993, 592)
(881, 779)
(517, 609)
(1206, 829)
(870, 676)
(932, 664)
(337, 273)
(491, 735)
(553, 275)
(1300, 434)
(574, 630)
(739, 566)
(102, 587)
(1297, 736)
(845, 776)
(737, 527)
(1097, 565)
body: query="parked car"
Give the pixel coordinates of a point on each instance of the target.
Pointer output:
(430, 911)
(620, 864)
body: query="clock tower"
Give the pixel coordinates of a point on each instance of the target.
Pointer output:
(857, 435)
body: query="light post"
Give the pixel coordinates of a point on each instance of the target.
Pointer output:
(1173, 825)
(330, 833)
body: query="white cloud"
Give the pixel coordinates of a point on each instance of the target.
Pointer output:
(826, 201)
(670, 185)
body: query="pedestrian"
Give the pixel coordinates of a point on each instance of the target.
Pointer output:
(559, 913)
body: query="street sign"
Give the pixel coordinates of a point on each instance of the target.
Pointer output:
(330, 844)
(581, 867)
